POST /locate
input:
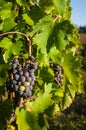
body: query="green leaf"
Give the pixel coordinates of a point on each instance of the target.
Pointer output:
(5, 13)
(47, 6)
(61, 6)
(10, 48)
(70, 65)
(55, 55)
(43, 59)
(43, 100)
(21, 119)
(16, 47)
(3, 73)
(36, 13)
(8, 24)
(41, 32)
(28, 20)
(46, 74)
(5, 5)
(60, 40)
(23, 3)
(6, 109)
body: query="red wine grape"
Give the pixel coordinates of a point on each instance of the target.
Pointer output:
(22, 77)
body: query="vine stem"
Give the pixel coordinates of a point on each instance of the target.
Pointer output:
(23, 34)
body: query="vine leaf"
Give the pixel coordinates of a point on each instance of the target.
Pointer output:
(60, 40)
(55, 54)
(10, 48)
(8, 24)
(41, 32)
(70, 65)
(3, 73)
(61, 6)
(47, 6)
(21, 119)
(23, 3)
(7, 16)
(6, 109)
(28, 20)
(43, 100)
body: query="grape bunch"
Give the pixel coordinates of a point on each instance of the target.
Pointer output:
(57, 73)
(22, 77)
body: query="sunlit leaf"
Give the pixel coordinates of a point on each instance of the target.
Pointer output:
(28, 20)
(11, 48)
(42, 31)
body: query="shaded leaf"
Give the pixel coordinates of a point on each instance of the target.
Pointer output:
(3, 73)
(6, 109)
(36, 13)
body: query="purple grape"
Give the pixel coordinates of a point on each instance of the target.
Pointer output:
(19, 68)
(31, 87)
(20, 72)
(32, 83)
(28, 91)
(31, 74)
(16, 76)
(29, 79)
(27, 66)
(26, 73)
(16, 87)
(22, 78)
(14, 82)
(57, 67)
(20, 93)
(16, 61)
(35, 65)
(14, 71)
(14, 66)
(23, 83)
(31, 58)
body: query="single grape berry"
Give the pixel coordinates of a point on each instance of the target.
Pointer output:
(22, 88)
(22, 78)
(20, 72)
(14, 65)
(16, 88)
(15, 71)
(16, 76)
(35, 65)
(27, 84)
(16, 61)
(14, 82)
(26, 73)
(31, 58)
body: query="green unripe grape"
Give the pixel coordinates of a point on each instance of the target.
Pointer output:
(22, 88)
(27, 84)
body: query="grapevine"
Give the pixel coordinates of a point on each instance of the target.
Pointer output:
(39, 68)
